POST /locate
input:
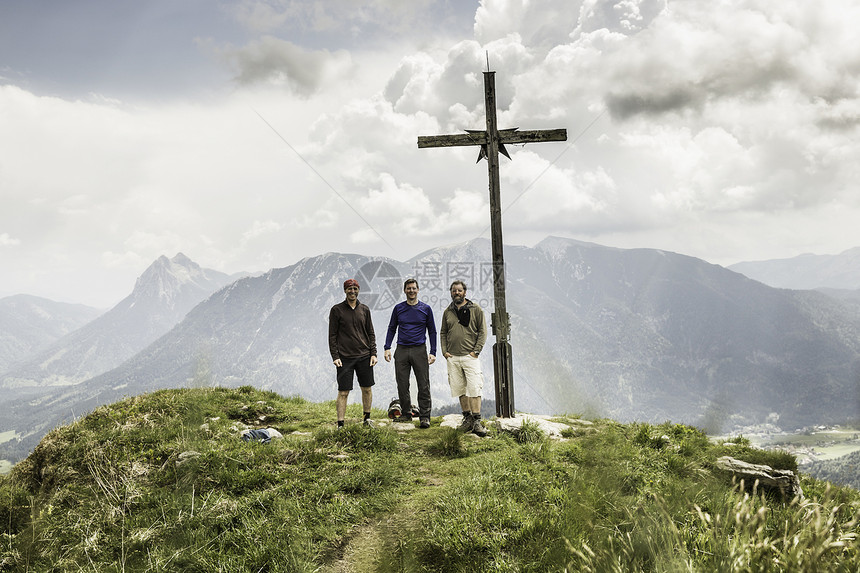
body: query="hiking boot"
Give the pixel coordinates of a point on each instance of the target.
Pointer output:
(466, 424)
(369, 423)
(477, 428)
(406, 418)
(425, 423)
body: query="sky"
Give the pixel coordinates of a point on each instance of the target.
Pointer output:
(251, 134)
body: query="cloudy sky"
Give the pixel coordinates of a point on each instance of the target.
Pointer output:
(250, 134)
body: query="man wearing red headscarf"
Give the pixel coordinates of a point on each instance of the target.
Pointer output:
(352, 343)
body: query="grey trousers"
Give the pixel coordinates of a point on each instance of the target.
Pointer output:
(414, 358)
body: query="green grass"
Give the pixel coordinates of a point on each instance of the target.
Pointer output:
(162, 482)
(448, 444)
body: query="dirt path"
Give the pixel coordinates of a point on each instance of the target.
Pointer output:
(375, 546)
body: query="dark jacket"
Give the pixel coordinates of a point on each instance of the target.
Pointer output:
(350, 331)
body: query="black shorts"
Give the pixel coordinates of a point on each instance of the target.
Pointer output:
(363, 371)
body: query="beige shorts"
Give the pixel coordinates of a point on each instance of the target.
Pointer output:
(465, 376)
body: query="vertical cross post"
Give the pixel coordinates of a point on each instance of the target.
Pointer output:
(492, 142)
(502, 356)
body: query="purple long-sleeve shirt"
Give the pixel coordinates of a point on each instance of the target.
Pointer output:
(411, 322)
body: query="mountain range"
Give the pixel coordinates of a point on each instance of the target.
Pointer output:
(631, 334)
(808, 271)
(29, 323)
(162, 296)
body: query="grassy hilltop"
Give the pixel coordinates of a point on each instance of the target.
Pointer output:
(162, 482)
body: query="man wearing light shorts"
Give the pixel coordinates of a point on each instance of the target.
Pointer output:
(463, 333)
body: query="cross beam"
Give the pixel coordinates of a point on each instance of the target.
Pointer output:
(503, 136)
(492, 142)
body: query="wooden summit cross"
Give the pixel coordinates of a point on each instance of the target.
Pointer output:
(492, 141)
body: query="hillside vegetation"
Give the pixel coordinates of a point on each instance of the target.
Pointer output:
(162, 482)
(843, 470)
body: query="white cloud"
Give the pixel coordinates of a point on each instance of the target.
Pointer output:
(7, 241)
(273, 61)
(542, 25)
(322, 219)
(353, 17)
(260, 228)
(537, 193)
(264, 17)
(407, 207)
(702, 127)
(465, 211)
(623, 16)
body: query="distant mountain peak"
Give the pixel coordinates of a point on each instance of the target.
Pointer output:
(181, 259)
(165, 279)
(163, 294)
(471, 250)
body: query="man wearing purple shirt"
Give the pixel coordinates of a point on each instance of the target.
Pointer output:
(413, 321)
